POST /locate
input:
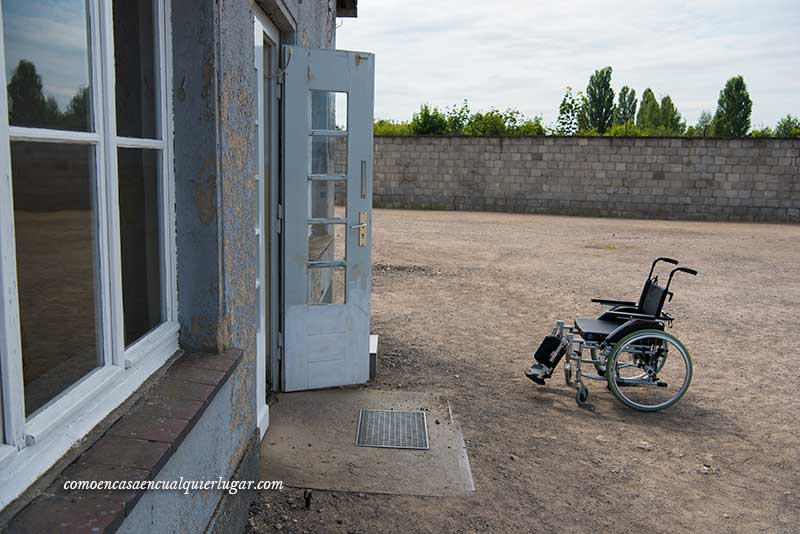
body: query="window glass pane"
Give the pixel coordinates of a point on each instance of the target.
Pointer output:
(326, 285)
(47, 63)
(326, 242)
(328, 199)
(140, 229)
(329, 155)
(135, 66)
(328, 110)
(55, 222)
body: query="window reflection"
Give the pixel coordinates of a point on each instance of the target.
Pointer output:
(47, 63)
(141, 248)
(57, 271)
(135, 66)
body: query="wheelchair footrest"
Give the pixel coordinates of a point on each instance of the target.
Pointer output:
(546, 357)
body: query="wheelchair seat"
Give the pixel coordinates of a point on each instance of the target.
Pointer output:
(596, 329)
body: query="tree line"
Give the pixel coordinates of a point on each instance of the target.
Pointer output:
(596, 112)
(28, 105)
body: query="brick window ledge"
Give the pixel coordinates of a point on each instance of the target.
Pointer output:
(135, 447)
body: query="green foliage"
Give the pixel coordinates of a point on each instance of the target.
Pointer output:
(625, 111)
(493, 122)
(429, 121)
(530, 128)
(733, 109)
(387, 127)
(457, 118)
(600, 100)
(670, 119)
(764, 131)
(788, 126)
(649, 116)
(629, 129)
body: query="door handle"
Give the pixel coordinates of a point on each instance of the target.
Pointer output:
(362, 228)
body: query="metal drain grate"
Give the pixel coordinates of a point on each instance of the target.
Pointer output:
(392, 429)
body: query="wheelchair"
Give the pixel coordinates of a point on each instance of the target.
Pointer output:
(645, 367)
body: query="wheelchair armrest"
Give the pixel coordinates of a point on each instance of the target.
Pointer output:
(632, 315)
(612, 302)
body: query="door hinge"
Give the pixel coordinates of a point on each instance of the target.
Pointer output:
(279, 90)
(280, 212)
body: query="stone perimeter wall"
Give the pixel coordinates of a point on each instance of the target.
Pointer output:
(654, 178)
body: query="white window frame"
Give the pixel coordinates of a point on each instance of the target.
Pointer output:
(29, 447)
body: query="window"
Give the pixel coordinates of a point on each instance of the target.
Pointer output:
(86, 219)
(327, 198)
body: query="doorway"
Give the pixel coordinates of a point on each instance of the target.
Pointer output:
(267, 42)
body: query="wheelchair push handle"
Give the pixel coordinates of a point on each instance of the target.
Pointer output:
(686, 270)
(653, 267)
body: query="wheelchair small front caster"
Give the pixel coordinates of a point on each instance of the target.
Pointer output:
(568, 373)
(581, 395)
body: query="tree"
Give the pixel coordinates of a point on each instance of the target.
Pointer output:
(705, 124)
(649, 116)
(600, 100)
(763, 131)
(670, 119)
(625, 111)
(388, 127)
(28, 106)
(733, 109)
(567, 123)
(788, 126)
(429, 121)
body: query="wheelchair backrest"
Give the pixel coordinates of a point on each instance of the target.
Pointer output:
(653, 296)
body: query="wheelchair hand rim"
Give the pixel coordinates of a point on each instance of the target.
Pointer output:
(611, 376)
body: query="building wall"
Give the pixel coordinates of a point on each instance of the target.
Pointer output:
(215, 112)
(696, 179)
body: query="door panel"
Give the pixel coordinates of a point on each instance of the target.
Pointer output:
(328, 115)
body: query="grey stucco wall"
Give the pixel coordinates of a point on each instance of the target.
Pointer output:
(214, 106)
(697, 178)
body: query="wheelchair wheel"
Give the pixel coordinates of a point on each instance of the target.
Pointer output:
(568, 373)
(649, 370)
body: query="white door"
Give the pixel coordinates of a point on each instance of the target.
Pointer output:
(267, 41)
(327, 209)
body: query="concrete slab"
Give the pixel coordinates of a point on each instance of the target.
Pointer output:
(310, 443)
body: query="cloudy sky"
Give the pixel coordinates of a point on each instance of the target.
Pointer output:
(523, 53)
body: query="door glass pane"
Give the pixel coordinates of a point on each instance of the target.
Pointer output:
(326, 285)
(135, 66)
(329, 155)
(328, 110)
(47, 57)
(328, 199)
(140, 228)
(55, 221)
(326, 242)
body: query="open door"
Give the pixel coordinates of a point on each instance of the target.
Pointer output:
(327, 214)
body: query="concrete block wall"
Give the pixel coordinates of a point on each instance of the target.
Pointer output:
(653, 178)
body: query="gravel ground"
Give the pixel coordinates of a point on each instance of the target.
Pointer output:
(461, 299)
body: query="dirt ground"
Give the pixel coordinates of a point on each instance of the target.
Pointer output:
(460, 301)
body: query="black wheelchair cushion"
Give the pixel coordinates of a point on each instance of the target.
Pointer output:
(596, 329)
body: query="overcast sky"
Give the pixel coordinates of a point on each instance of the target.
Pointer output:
(523, 53)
